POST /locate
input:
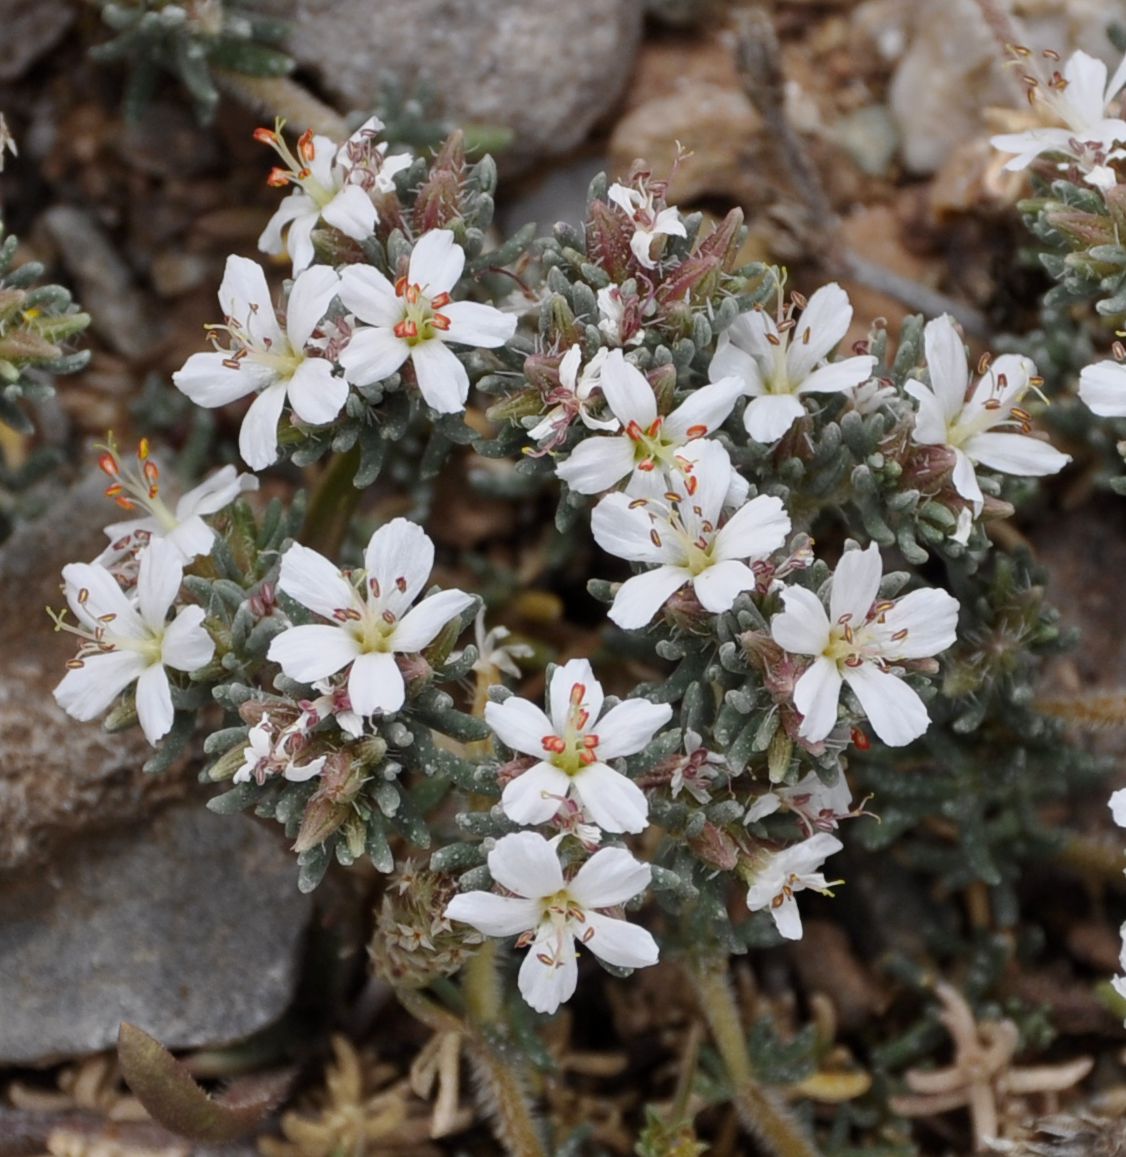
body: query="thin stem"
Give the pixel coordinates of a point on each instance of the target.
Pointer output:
(282, 96)
(759, 1113)
(332, 504)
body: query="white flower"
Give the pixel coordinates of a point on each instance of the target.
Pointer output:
(683, 535)
(330, 184)
(494, 655)
(1117, 807)
(648, 222)
(268, 753)
(550, 913)
(370, 628)
(126, 642)
(183, 527)
(414, 318)
(573, 398)
(779, 363)
(788, 872)
(648, 442)
(696, 770)
(817, 805)
(612, 318)
(572, 754)
(267, 360)
(857, 642)
(1102, 388)
(967, 425)
(1079, 101)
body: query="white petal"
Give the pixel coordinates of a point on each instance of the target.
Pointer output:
(303, 772)
(816, 695)
(768, 417)
(309, 299)
(1086, 87)
(314, 582)
(519, 725)
(574, 680)
(375, 683)
(527, 864)
(399, 556)
(370, 296)
(494, 915)
(704, 410)
(630, 726)
(478, 325)
(731, 361)
(669, 222)
(102, 598)
(315, 395)
(297, 204)
(158, 582)
(154, 703)
(372, 355)
(258, 437)
(627, 391)
(836, 376)
(640, 598)
(312, 652)
(86, 691)
(930, 620)
(803, 627)
(754, 530)
(946, 361)
(352, 212)
(550, 972)
(596, 464)
(186, 645)
(215, 492)
(752, 332)
(299, 241)
(930, 419)
(421, 624)
(896, 713)
(442, 379)
(720, 585)
(615, 803)
(1117, 805)
(787, 918)
(640, 244)
(534, 796)
(244, 297)
(436, 262)
(209, 380)
(1102, 387)
(610, 877)
(856, 583)
(965, 481)
(569, 367)
(1015, 454)
(1030, 144)
(192, 537)
(619, 942)
(822, 324)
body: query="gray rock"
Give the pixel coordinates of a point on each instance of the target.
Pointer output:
(187, 926)
(30, 31)
(545, 69)
(59, 777)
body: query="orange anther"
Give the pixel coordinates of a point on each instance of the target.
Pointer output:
(278, 178)
(306, 150)
(265, 136)
(108, 464)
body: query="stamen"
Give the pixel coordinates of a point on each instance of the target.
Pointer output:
(697, 431)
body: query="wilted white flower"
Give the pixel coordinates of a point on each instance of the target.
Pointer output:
(368, 629)
(818, 806)
(788, 872)
(973, 425)
(573, 398)
(415, 318)
(613, 323)
(857, 642)
(267, 360)
(550, 913)
(648, 222)
(493, 653)
(572, 754)
(126, 642)
(696, 771)
(267, 753)
(779, 363)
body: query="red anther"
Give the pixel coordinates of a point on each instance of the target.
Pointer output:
(340, 615)
(590, 741)
(373, 586)
(696, 431)
(440, 321)
(413, 293)
(231, 363)
(586, 758)
(582, 719)
(306, 150)
(861, 740)
(406, 329)
(265, 136)
(899, 636)
(774, 339)
(151, 471)
(143, 449)
(799, 300)
(303, 174)
(647, 465)
(400, 286)
(1002, 381)
(108, 464)
(554, 743)
(279, 178)
(578, 693)
(440, 300)
(633, 430)
(388, 618)
(401, 583)
(691, 482)
(114, 489)
(655, 428)
(124, 503)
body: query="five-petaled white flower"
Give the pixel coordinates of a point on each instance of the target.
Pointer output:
(649, 443)
(268, 753)
(370, 625)
(1102, 388)
(126, 641)
(414, 318)
(550, 913)
(265, 359)
(788, 872)
(817, 806)
(330, 184)
(573, 746)
(1078, 101)
(574, 397)
(968, 425)
(857, 641)
(183, 527)
(682, 533)
(780, 362)
(648, 222)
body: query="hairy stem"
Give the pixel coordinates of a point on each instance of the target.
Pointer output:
(282, 96)
(332, 504)
(759, 1113)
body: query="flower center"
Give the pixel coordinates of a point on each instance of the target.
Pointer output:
(574, 749)
(297, 169)
(140, 486)
(420, 317)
